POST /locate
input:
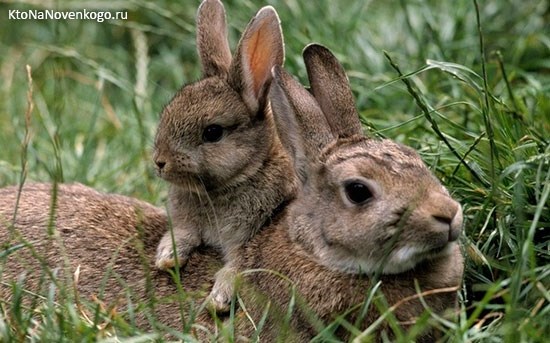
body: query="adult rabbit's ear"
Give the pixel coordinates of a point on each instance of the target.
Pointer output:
(212, 43)
(330, 87)
(301, 124)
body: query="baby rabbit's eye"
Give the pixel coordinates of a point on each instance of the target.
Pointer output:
(357, 192)
(212, 133)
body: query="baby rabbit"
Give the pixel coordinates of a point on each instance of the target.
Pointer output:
(366, 207)
(216, 145)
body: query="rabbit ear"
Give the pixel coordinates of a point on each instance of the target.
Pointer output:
(330, 87)
(301, 125)
(260, 48)
(212, 42)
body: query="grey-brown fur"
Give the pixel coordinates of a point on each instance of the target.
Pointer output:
(323, 294)
(102, 232)
(223, 191)
(404, 231)
(99, 233)
(320, 242)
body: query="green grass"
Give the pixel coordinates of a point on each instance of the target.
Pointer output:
(472, 95)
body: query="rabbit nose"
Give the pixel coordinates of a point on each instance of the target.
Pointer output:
(160, 164)
(451, 222)
(456, 225)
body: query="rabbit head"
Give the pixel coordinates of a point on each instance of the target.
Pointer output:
(218, 131)
(366, 205)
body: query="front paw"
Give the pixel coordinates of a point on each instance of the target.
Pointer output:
(222, 291)
(166, 257)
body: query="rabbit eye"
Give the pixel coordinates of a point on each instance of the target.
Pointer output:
(357, 192)
(212, 133)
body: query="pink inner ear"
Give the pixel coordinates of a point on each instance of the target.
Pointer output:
(260, 56)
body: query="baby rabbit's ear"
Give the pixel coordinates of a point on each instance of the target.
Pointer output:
(212, 42)
(330, 87)
(301, 125)
(260, 49)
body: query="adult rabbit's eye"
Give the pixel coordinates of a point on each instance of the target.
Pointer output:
(212, 133)
(357, 192)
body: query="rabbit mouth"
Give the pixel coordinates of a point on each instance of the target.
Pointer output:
(408, 257)
(190, 182)
(434, 252)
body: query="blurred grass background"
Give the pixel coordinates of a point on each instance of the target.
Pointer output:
(481, 121)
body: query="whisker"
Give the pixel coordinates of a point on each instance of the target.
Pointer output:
(213, 208)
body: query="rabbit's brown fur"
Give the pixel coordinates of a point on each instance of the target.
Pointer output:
(397, 220)
(98, 233)
(324, 243)
(103, 232)
(323, 294)
(216, 145)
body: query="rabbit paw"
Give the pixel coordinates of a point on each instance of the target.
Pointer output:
(222, 292)
(166, 257)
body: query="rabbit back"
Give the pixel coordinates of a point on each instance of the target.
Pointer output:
(111, 240)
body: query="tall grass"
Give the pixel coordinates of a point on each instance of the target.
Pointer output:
(466, 83)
